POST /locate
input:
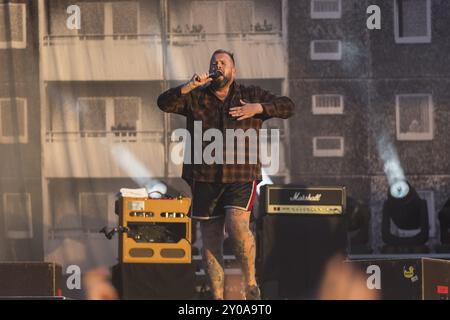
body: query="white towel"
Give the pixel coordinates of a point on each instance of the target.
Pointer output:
(134, 193)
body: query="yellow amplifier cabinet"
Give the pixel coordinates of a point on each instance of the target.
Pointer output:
(158, 230)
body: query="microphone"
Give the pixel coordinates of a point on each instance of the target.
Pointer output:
(212, 75)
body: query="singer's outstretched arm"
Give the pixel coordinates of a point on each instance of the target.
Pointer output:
(178, 100)
(173, 101)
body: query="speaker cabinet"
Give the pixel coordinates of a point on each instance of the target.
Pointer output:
(293, 249)
(30, 279)
(154, 281)
(407, 279)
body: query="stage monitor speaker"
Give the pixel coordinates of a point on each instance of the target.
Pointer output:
(407, 279)
(30, 279)
(154, 281)
(295, 241)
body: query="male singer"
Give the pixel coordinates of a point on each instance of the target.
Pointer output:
(223, 193)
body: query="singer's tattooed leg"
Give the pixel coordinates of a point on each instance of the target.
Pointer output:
(237, 226)
(212, 252)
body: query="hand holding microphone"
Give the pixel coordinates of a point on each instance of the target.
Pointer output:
(212, 75)
(198, 80)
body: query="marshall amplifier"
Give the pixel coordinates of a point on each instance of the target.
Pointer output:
(290, 200)
(298, 230)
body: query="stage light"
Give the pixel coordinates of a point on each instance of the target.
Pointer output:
(407, 211)
(156, 189)
(399, 189)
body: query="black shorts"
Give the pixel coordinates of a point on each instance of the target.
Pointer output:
(209, 199)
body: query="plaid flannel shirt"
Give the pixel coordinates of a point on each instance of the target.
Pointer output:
(202, 105)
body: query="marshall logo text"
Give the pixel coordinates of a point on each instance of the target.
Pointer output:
(298, 196)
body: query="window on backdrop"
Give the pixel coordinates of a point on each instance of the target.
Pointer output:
(328, 146)
(328, 104)
(13, 120)
(412, 20)
(17, 213)
(100, 115)
(94, 209)
(13, 17)
(414, 117)
(119, 19)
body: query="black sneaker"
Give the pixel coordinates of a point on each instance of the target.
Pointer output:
(252, 293)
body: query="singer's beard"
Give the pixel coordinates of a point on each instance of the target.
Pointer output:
(220, 82)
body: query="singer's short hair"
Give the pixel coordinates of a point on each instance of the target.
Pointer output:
(230, 54)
